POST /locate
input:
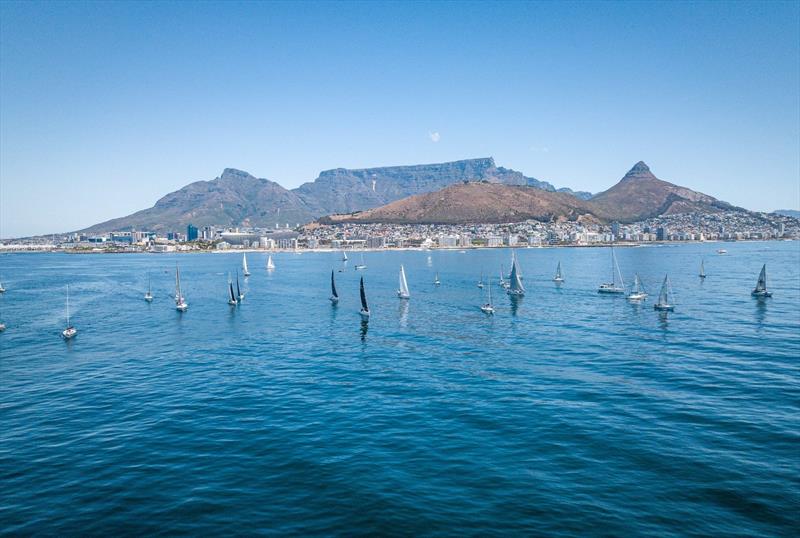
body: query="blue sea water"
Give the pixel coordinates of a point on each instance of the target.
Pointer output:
(568, 413)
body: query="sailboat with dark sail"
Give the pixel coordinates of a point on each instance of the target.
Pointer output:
(702, 269)
(761, 286)
(231, 296)
(665, 301)
(364, 307)
(334, 294)
(239, 293)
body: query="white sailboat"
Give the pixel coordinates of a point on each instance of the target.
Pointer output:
(148, 296)
(245, 271)
(70, 331)
(231, 296)
(361, 265)
(721, 251)
(344, 256)
(270, 263)
(761, 286)
(503, 283)
(480, 282)
(488, 308)
(180, 302)
(559, 277)
(638, 293)
(2, 289)
(515, 286)
(334, 294)
(665, 302)
(702, 269)
(617, 285)
(364, 307)
(402, 291)
(436, 280)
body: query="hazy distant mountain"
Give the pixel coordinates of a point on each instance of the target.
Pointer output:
(475, 202)
(641, 195)
(237, 198)
(233, 199)
(788, 213)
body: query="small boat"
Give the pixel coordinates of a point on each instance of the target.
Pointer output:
(402, 291)
(245, 271)
(334, 294)
(2, 327)
(436, 281)
(364, 307)
(761, 286)
(613, 287)
(361, 265)
(148, 296)
(722, 251)
(270, 264)
(503, 283)
(559, 278)
(344, 256)
(2, 289)
(702, 269)
(480, 282)
(70, 331)
(488, 308)
(239, 293)
(231, 296)
(180, 302)
(638, 293)
(665, 303)
(515, 287)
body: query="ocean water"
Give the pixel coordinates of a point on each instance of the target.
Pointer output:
(567, 413)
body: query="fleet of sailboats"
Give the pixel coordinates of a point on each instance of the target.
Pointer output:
(761, 286)
(70, 331)
(665, 302)
(402, 291)
(617, 285)
(245, 271)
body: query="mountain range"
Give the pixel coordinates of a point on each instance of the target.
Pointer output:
(239, 199)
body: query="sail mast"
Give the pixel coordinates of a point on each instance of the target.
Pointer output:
(68, 305)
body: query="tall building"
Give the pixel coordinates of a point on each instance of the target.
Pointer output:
(191, 233)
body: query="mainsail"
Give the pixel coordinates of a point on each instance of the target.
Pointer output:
(231, 296)
(238, 291)
(364, 306)
(615, 272)
(761, 285)
(516, 286)
(333, 287)
(558, 271)
(663, 296)
(403, 290)
(244, 265)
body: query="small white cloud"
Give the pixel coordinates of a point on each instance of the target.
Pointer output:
(434, 136)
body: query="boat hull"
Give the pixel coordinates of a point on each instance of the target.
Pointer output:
(364, 314)
(761, 294)
(68, 333)
(664, 307)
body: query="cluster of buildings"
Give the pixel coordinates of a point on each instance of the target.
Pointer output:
(725, 226)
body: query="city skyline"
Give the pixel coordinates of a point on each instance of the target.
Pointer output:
(119, 104)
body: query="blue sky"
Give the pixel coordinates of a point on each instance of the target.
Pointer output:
(105, 107)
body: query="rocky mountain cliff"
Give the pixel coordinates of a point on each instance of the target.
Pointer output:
(475, 202)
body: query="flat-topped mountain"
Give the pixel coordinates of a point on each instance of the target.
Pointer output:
(475, 202)
(237, 198)
(641, 195)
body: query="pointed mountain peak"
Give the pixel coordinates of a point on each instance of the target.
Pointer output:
(233, 173)
(639, 171)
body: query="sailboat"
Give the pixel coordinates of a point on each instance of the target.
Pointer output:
(180, 302)
(2, 289)
(436, 280)
(231, 296)
(70, 331)
(488, 308)
(503, 283)
(334, 295)
(559, 278)
(480, 282)
(402, 291)
(344, 256)
(239, 293)
(270, 264)
(761, 286)
(515, 287)
(245, 271)
(361, 265)
(702, 269)
(613, 286)
(148, 296)
(664, 302)
(638, 293)
(364, 307)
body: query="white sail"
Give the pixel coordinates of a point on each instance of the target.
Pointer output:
(702, 269)
(344, 256)
(664, 296)
(270, 264)
(244, 265)
(402, 291)
(559, 277)
(515, 286)
(180, 302)
(761, 286)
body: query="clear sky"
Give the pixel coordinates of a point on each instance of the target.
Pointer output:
(105, 107)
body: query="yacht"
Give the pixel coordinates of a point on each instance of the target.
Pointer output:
(70, 331)
(231, 296)
(334, 294)
(364, 307)
(665, 302)
(270, 264)
(488, 308)
(761, 286)
(245, 271)
(361, 265)
(402, 291)
(515, 286)
(638, 293)
(148, 296)
(617, 285)
(722, 251)
(559, 278)
(436, 280)
(180, 302)
(702, 269)
(480, 282)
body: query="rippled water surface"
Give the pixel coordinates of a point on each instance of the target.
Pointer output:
(566, 413)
